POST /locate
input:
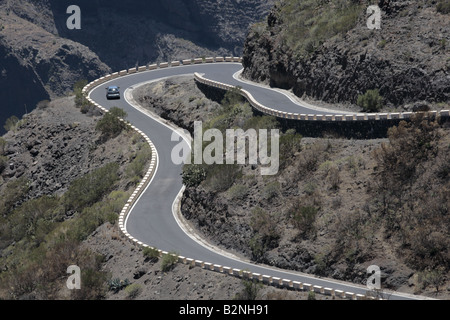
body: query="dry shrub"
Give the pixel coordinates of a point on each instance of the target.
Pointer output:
(267, 235)
(401, 162)
(311, 156)
(413, 199)
(410, 144)
(303, 217)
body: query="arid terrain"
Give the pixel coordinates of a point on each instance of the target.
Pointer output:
(340, 179)
(337, 204)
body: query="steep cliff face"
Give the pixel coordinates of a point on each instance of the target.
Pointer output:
(18, 86)
(37, 65)
(140, 32)
(336, 57)
(42, 58)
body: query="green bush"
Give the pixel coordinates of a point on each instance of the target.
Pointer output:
(290, 143)
(111, 125)
(371, 101)
(264, 223)
(151, 253)
(307, 24)
(80, 99)
(267, 236)
(303, 218)
(34, 219)
(232, 98)
(271, 190)
(90, 188)
(169, 261)
(97, 214)
(232, 114)
(238, 191)
(257, 247)
(116, 200)
(133, 290)
(435, 278)
(89, 220)
(250, 291)
(93, 284)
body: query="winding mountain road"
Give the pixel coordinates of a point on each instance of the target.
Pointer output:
(153, 219)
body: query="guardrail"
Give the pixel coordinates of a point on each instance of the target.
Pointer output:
(318, 117)
(243, 274)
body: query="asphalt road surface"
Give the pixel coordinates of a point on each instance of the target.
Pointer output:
(152, 219)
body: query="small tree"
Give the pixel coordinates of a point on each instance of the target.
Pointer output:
(80, 99)
(118, 112)
(371, 101)
(111, 125)
(304, 217)
(232, 98)
(168, 261)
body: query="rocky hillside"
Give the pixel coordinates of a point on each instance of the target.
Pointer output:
(335, 207)
(40, 236)
(324, 50)
(40, 58)
(37, 65)
(51, 147)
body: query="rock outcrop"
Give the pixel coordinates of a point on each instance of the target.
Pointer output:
(41, 58)
(407, 59)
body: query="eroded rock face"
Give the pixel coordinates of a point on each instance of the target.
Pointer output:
(407, 60)
(159, 30)
(53, 146)
(41, 58)
(37, 65)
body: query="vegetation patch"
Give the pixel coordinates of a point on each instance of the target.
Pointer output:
(40, 236)
(111, 125)
(89, 189)
(308, 24)
(371, 101)
(169, 261)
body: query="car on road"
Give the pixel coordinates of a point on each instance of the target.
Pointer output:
(112, 92)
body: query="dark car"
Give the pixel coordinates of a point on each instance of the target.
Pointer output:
(112, 92)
